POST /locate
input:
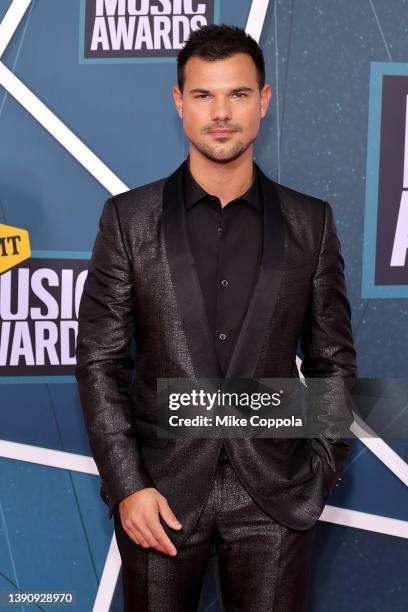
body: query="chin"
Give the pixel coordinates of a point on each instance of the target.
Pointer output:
(221, 153)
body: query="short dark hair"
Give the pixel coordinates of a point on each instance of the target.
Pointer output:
(219, 41)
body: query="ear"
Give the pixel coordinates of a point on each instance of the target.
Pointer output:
(266, 95)
(178, 100)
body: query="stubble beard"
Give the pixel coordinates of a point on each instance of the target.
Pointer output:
(221, 153)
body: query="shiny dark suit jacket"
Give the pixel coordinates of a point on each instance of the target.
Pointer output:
(142, 285)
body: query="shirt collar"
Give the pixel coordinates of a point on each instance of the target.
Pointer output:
(193, 192)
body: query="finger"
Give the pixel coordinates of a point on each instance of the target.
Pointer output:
(143, 542)
(144, 532)
(149, 537)
(167, 513)
(140, 534)
(135, 532)
(133, 535)
(153, 533)
(161, 536)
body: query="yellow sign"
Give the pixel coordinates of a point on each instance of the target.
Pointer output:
(14, 246)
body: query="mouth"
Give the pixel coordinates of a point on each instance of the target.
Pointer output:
(221, 132)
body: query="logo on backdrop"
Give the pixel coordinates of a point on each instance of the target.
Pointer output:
(386, 222)
(142, 28)
(14, 246)
(39, 301)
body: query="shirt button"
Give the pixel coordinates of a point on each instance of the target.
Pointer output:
(224, 283)
(222, 336)
(219, 230)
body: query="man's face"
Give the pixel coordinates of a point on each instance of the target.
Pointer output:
(221, 95)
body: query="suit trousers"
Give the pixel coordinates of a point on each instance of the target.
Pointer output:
(263, 566)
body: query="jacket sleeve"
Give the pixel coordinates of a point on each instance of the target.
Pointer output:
(328, 352)
(105, 362)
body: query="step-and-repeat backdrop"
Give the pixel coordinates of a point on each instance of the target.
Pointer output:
(86, 111)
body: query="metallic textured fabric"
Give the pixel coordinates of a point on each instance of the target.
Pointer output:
(263, 565)
(142, 285)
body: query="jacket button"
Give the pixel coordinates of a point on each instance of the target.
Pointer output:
(222, 336)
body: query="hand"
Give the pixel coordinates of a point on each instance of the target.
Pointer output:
(139, 515)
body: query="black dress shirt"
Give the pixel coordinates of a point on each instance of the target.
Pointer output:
(227, 247)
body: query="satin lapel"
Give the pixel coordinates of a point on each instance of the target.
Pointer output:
(248, 346)
(185, 279)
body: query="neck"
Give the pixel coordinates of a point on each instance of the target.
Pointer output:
(224, 180)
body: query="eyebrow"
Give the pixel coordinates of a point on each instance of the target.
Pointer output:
(199, 90)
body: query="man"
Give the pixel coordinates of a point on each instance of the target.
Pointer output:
(215, 272)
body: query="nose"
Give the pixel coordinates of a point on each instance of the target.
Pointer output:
(220, 109)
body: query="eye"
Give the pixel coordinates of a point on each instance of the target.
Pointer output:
(202, 96)
(240, 94)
